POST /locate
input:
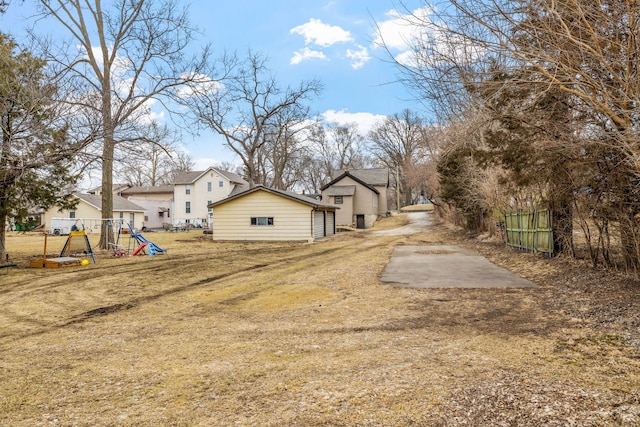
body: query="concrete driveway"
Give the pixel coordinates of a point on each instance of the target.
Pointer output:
(442, 266)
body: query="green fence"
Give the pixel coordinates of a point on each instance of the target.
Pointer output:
(529, 230)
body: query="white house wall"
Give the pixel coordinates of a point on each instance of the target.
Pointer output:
(292, 220)
(200, 197)
(150, 203)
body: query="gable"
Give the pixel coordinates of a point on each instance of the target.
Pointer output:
(377, 177)
(341, 190)
(346, 179)
(296, 198)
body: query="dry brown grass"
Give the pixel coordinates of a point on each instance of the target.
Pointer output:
(295, 334)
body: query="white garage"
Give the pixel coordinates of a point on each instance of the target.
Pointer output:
(263, 213)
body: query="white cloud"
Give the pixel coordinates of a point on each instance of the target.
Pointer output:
(406, 35)
(365, 121)
(399, 31)
(321, 34)
(306, 53)
(359, 57)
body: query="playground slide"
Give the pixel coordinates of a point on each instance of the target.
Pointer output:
(152, 248)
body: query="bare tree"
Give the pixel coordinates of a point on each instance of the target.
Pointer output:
(396, 143)
(285, 148)
(130, 54)
(242, 106)
(153, 161)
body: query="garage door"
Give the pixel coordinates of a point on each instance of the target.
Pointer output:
(318, 224)
(330, 223)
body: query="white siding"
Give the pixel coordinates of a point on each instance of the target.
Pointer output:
(330, 223)
(200, 196)
(232, 220)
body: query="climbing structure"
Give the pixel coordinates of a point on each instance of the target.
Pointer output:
(76, 246)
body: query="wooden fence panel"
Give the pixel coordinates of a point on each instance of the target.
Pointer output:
(529, 230)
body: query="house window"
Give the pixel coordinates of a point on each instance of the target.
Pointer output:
(161, 214)
(187, 207)
(220, 184)
(338, 200)
(72, 214)
(208, 203)
(209, 187)
(187, 189)
(261, 220)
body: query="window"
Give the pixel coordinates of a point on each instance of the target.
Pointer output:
(208, 203)
(187, 189)
(72, 214)
(261, 220)
(161, 214)
(338, 200)
(187, 207)
(209, 187)
(220, 184)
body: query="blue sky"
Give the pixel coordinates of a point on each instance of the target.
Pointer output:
(333, 41)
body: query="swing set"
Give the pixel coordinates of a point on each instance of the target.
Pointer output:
(137, 245)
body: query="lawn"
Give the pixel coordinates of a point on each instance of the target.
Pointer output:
(298, 334)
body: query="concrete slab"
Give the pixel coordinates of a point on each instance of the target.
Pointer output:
(444, 266)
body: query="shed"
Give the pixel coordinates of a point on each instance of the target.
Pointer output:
(262, 213)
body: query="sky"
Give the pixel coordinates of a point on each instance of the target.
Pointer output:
(333, 41)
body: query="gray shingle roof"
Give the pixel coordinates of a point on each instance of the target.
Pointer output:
(341, 190)
(149, 190)
(374, 176)
(190, 177)
(119, 203)
(187, 177)
(287, 194)
(233, 177)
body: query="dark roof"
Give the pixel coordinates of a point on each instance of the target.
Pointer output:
(353, 177)
(286, 194)
(192, 176)
(119, 203)
(341, 190)
(373, 176)
(149, 190)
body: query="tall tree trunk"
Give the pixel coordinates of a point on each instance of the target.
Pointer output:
(106, 231)
(3, 231)
(562, 225)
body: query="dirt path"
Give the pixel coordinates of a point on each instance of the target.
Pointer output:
(305, 334)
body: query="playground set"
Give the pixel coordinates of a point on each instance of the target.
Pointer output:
(137, 245)
(77, 249)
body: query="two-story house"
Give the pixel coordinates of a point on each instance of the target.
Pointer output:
(361, 195)
(194, 191)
